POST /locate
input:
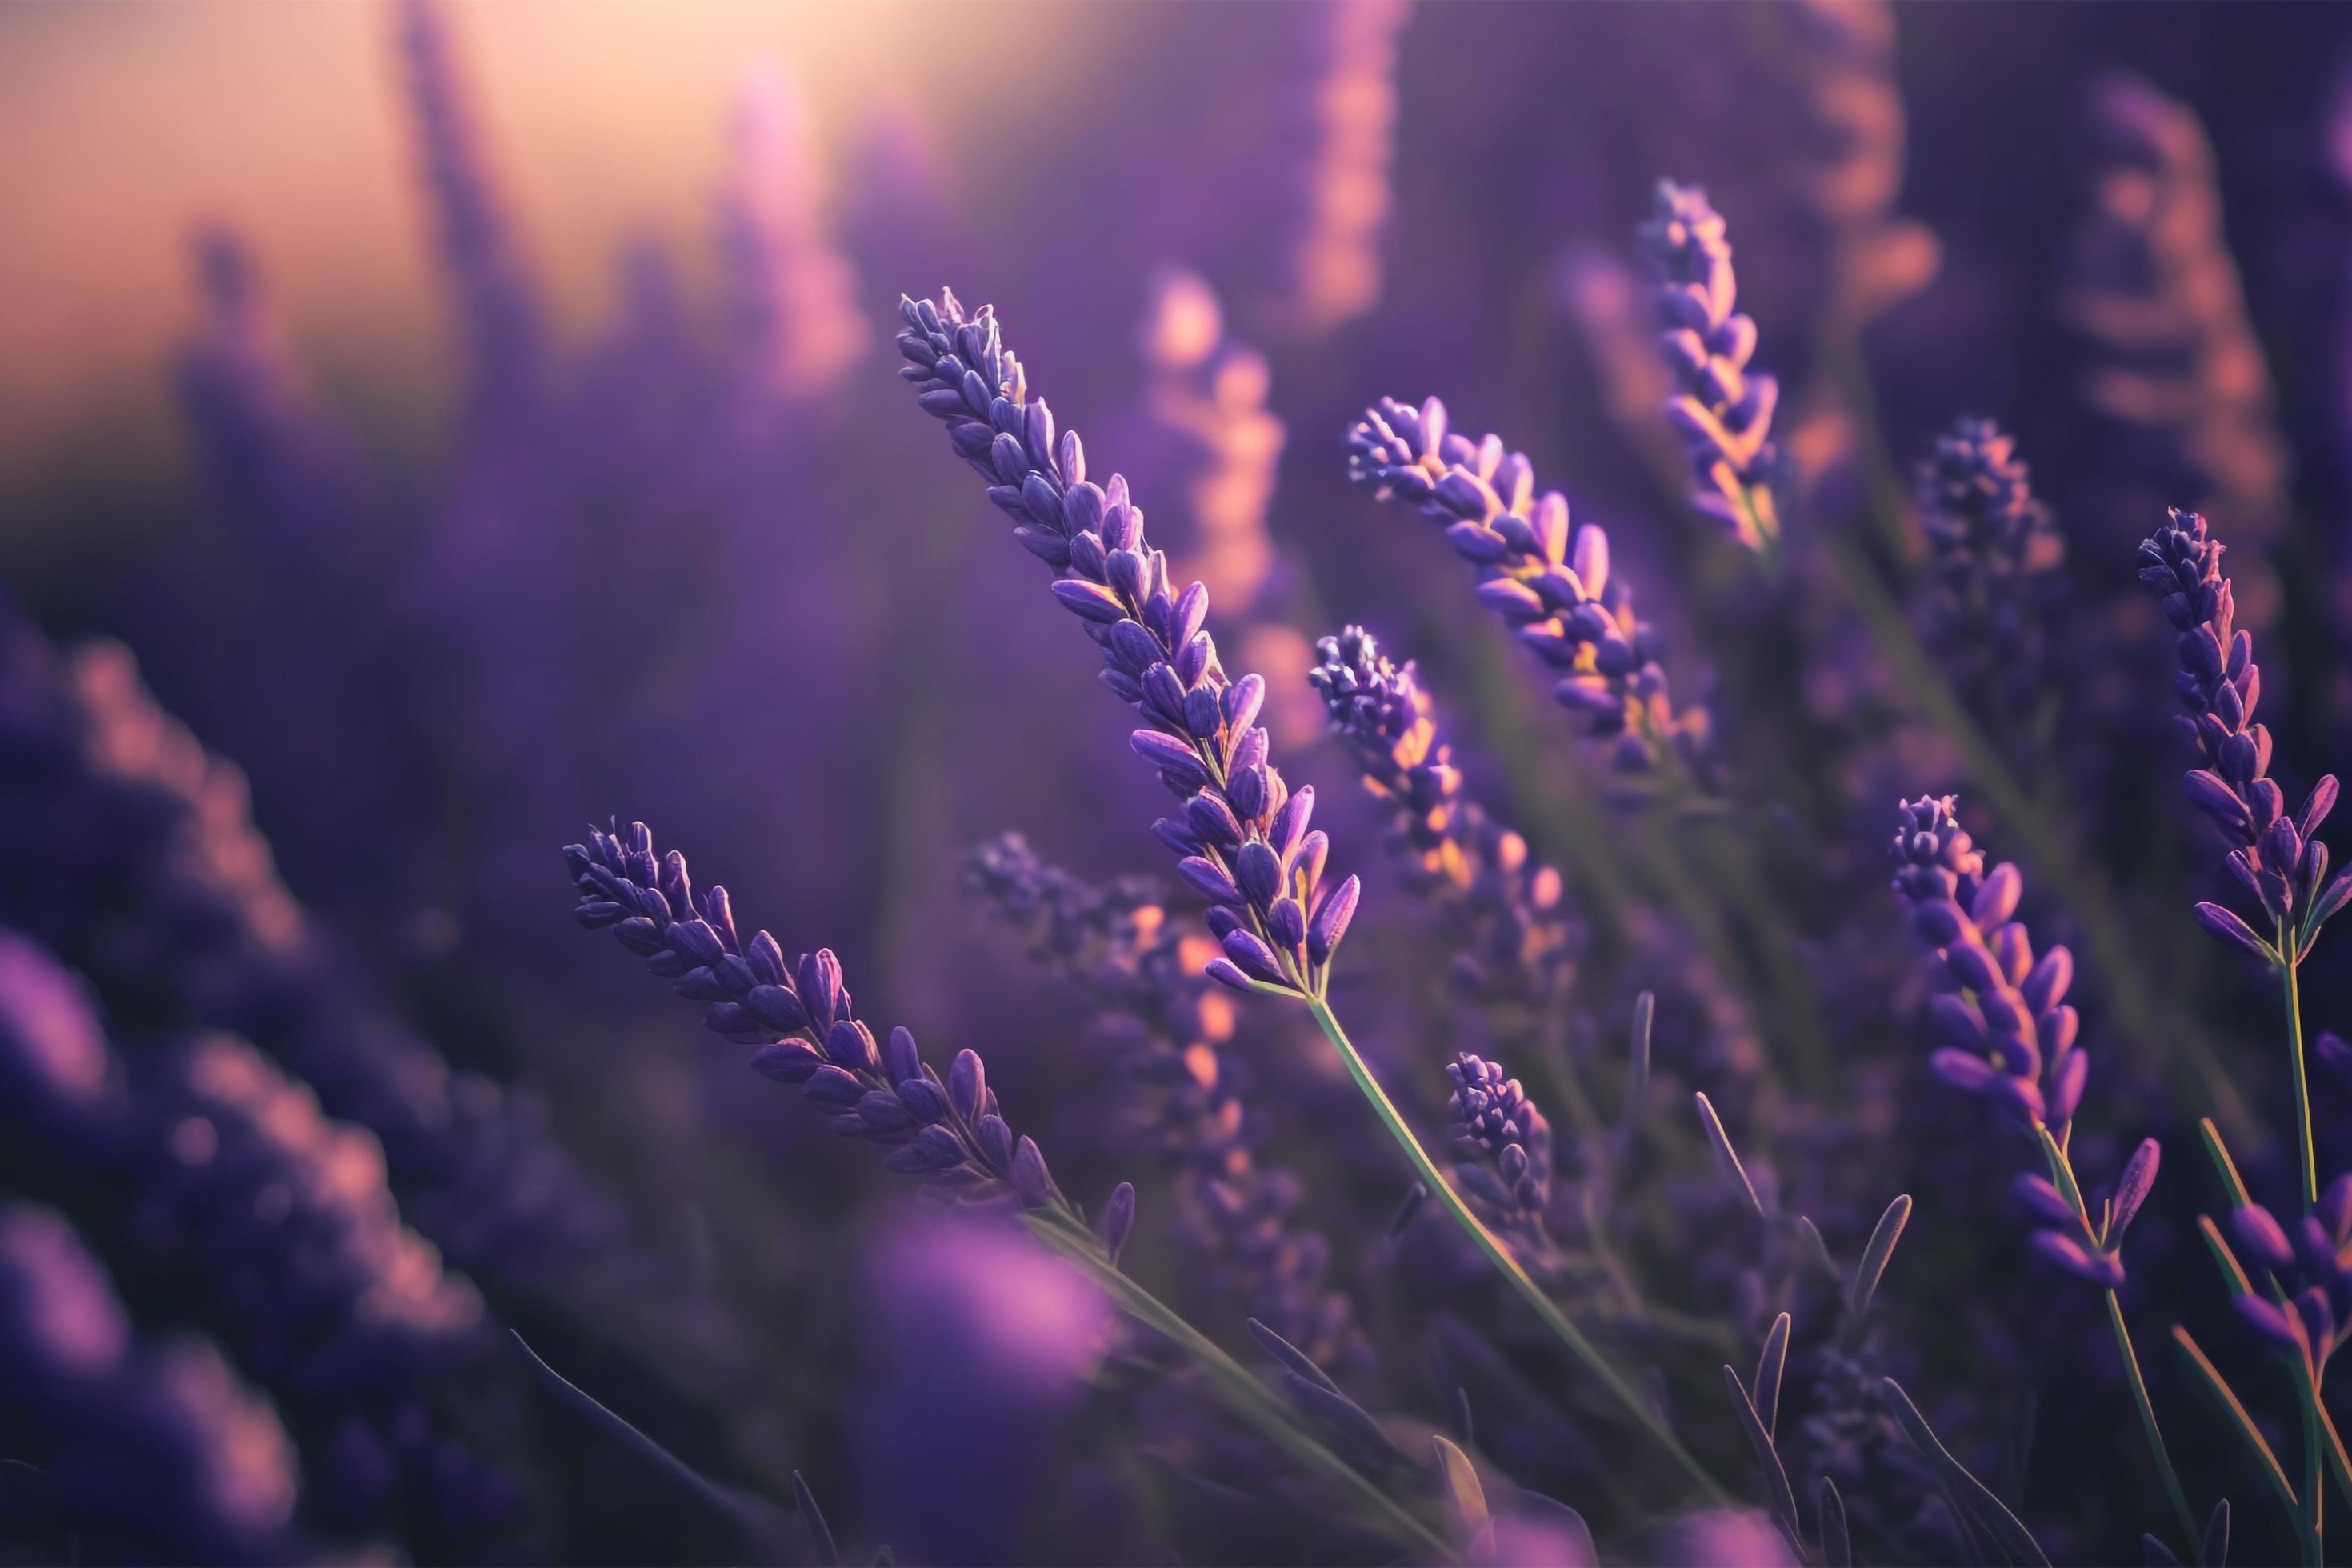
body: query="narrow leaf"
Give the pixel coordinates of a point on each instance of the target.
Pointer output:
(2154, 1554)
(2216, 1551)
(1290, 1355)
(1768, 1368)
(2218, 1152)
(1767, 1459)
(2271, 1470)
(1837, 1545)
(820, 1532)
(1637, 1073)
(1881, 1250)
(757, 1522)
(1461, 1479)
(1816, 1249)
(2233, 1274)
(1987, 1509)
(1726, 1156)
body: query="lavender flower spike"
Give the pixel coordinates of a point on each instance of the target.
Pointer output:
(1724, 413)
(2008, 1033)
(1243, 838)
(1995, 560)
(1518, 941)
(2277, 858)
(1501, 1142)
(1558, 596)
(948, 1131)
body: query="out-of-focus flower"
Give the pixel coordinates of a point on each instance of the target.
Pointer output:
(1994, 560)
(794, 323)
(155, 1453)
(1723, 411)
(2174, 367)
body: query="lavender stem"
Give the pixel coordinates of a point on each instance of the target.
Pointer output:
(1499, 1254)
(2290, 966)
(2155, 1445)
(1072, 1239)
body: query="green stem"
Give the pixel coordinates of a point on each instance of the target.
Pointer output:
(2155, 1445)
(1250, 1398)
(2289, 969)
(1499, 1255)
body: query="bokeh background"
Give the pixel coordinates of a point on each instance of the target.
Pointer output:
(476, 420)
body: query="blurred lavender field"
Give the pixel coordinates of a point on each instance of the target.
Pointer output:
(1826, 1051)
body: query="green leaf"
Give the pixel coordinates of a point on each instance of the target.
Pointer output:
(1879, 1252)
(1973, 1494)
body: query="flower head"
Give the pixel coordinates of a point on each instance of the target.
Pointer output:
(2277, 858)
(1723, 412)
(1555, 591)
(1243, 838)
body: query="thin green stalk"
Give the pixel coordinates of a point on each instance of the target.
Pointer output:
(2156, 1444)
(2289, 968)
(1249, 1397)
(2314, 1499)
(1499, 1255)
(2251, 1435)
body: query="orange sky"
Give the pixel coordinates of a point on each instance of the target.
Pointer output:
(121, 122)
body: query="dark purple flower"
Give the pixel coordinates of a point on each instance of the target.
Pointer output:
(2276, 859)
(1723, 412)
(1993, 562)
(1557, 593)
(1203, 734)
(2004, 1030)
(1501, 1142)
(158, 1453)
(948, 1131)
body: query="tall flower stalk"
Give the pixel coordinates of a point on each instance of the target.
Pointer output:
(2275, 858)
(948, 1130)
(2009, 1038)
(1243, 838)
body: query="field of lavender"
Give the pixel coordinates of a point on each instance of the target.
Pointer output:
(1734, 973)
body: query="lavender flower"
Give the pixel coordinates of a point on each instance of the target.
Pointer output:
(1167, 1025)
(948, 1131)
(2306, 1305)
(157, 1452)
(1994, 558)
(1503, 1142)
(130, 851)
(1517, 941)
(1724, 412)
(1243, 840)
(790, 296)
(2008, 1032)
(2278, 859)
(1560, 597)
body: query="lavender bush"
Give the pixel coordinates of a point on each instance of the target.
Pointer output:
(1498, 1109)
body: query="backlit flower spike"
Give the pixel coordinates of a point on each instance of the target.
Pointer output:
(799, 1013)
(1517, 941)
(1168, 1028)
(1722, 410)
(1243, 838)
(2277, 858)
(1553, 588)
